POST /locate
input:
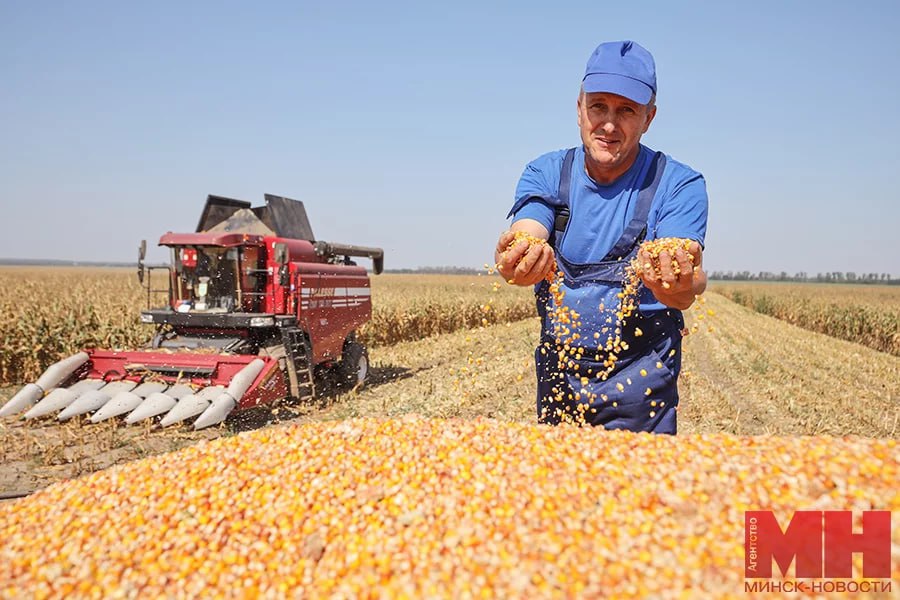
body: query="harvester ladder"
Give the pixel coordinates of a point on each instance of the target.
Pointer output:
(300, 368)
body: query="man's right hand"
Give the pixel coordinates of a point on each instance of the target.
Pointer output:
(523, 264)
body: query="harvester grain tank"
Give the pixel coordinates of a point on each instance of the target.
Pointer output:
(255, 307)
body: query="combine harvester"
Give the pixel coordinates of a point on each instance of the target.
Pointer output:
(255, 305)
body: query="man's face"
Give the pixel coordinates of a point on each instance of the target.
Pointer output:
(611, 129)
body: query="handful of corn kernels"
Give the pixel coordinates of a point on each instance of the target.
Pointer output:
(524, 235)
(654, 248)
(532, 241)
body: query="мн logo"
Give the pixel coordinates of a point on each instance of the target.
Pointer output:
(821, 542)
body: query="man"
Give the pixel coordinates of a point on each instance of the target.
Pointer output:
(594, 205)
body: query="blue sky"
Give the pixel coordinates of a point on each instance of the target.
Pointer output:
(407, 125)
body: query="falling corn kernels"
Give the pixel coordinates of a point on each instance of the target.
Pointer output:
(565, 320)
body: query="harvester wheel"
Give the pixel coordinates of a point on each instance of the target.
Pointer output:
(354, 366)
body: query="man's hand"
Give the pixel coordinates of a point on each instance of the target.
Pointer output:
(676, 290)
(524, 263)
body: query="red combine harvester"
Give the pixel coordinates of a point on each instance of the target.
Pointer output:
(255, 305)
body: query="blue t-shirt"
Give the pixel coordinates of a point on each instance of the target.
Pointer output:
(599, 213)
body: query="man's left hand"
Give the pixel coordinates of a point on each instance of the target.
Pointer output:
(676, 290)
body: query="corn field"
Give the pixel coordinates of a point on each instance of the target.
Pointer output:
(412, 307)
(47, 313)
(867, 315)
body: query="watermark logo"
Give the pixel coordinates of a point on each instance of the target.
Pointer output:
(819, 545)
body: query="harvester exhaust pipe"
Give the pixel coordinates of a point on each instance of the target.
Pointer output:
(227, 401)
(376, 254)
(52, 377)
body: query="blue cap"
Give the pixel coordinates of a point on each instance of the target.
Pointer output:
(621, 68)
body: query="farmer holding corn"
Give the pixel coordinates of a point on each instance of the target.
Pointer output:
(594, 205)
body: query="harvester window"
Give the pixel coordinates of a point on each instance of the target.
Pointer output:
(209, 279)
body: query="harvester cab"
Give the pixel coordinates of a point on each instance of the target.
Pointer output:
(207, 278)
(255, 307)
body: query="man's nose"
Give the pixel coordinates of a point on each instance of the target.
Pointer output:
(608, 124)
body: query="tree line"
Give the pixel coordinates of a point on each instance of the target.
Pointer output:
(802, 276)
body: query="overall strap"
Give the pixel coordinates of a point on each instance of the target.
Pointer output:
(636, 230)
(562, 211)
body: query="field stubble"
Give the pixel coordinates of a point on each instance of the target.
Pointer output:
(758, 375)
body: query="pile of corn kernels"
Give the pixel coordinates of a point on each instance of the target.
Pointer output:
(427, 508)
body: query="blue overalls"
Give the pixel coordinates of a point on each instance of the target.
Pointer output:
(640, 393)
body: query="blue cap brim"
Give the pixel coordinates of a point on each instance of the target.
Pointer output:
(611, 83)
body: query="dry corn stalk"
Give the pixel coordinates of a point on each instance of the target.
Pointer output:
(422, 508)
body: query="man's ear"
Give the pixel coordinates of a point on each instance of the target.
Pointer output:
(651, 114)
(578, 109)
